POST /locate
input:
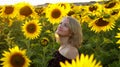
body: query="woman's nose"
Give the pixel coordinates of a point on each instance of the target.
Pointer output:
(60, 25)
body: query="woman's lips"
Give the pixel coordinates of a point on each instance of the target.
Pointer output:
(59, 29)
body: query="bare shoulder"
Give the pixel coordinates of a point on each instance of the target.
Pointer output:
(71, 53)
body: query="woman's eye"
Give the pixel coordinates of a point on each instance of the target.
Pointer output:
(60, 23)
(65, 25)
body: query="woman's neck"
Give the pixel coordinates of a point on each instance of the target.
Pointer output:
(64, 40)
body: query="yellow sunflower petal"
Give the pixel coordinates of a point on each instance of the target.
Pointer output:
(118, 36)
(83, 61)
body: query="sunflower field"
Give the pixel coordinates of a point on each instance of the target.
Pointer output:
(27, 33)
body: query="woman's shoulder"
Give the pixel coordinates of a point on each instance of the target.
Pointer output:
(57, 55)
(70, 52)
(54, 62)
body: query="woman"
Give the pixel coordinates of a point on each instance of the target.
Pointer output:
(70, 38)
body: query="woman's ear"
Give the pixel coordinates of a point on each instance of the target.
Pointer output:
(70, 34)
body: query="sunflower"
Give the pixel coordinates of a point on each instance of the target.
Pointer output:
(83, 61)
(86, 19)
(94, 8)
(25, 10)
(31, 29)
(90, 17)
(55, 12)
(102, 24)
(118, 36)
(40, 10)
(75, 8)
(115, 13)
(44, 41)
(8, 11)
(67, 6)
(79, 9)
(8, 21)
(15, 58)
(112, 5)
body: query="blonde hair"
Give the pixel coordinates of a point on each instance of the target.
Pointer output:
(76, 32)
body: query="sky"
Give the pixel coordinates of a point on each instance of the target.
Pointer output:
(40, 2)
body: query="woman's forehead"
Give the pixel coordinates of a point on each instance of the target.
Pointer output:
(65, 20)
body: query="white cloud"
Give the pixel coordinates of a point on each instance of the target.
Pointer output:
(38, 2)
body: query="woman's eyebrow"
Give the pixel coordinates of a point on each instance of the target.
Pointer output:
(61, 22)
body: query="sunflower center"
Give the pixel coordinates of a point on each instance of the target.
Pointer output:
(101, 22)
(56, 13)
(115, 12)
(110, 5)
(31, 28)
(26, 11)
(9, 10)
(92, 8)
(17, 60)
(44, 41)
(70, 13)
(63, 5)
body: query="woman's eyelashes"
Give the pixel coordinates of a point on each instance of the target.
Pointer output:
(63, 24)
(60, 23)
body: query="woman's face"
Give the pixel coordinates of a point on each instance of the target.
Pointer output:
(63, 29)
